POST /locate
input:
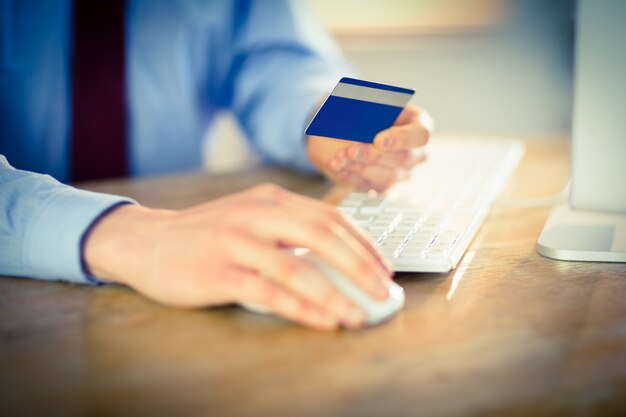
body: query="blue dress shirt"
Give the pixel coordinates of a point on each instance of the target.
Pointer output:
(266, 61)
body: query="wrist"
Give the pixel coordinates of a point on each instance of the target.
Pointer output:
(118, 244)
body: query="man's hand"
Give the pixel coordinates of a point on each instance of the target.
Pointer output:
(233, 250)
(378, 166)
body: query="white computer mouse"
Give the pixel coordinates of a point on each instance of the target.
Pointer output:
(377, 311)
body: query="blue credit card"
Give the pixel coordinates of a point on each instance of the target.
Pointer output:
(357, 110)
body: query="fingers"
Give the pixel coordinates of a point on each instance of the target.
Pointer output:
(394, 148)
(315, 211)
(367, 154)
(345, 176)
(412, 129)
(330, 241)
(403, 159)
(294, 274)
(402, 137)
(353, 175)
(318, 211)
(338, 161)
(380, 178)
(367, 168)
(248, 287)
(284, 218)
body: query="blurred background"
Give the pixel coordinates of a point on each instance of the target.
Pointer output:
(480, 67)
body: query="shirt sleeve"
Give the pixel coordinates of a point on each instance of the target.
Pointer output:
(42, 225)
(284, 66)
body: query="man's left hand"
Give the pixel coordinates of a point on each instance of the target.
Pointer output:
(379, 165)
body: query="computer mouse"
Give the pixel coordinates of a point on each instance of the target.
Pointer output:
(376, 311)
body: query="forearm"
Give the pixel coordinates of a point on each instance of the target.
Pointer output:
(42, 225)
(285, 74)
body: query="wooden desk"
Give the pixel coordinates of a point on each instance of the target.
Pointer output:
(507, 333)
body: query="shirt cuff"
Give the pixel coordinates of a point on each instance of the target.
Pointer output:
(53, 243)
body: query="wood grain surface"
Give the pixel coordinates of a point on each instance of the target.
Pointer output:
(508, 333)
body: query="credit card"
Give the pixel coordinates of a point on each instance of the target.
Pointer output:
(357, 110)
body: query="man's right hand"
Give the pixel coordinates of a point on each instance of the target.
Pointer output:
(232, 250)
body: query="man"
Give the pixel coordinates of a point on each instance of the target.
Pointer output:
(95, 89)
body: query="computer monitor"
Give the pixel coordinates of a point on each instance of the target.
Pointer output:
(592, 227)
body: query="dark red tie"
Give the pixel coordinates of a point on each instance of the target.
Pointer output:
(99, 148)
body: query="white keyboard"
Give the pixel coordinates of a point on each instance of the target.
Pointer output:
(426, 223)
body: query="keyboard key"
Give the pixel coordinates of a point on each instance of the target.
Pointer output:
(351, 203)
(374, 205)
(362, 219)
(348, 210)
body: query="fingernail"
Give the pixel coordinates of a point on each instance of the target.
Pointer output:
(425, 135)
(348, 312)
(337, 163)
(326, 320)
(359, 154)
(381, 290)
(385, 268)
(343, 173)
(355, 167)
(356, 317)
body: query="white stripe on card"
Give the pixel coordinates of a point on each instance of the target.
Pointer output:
(373, 95)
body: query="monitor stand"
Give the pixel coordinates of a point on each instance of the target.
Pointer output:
(575, 235)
